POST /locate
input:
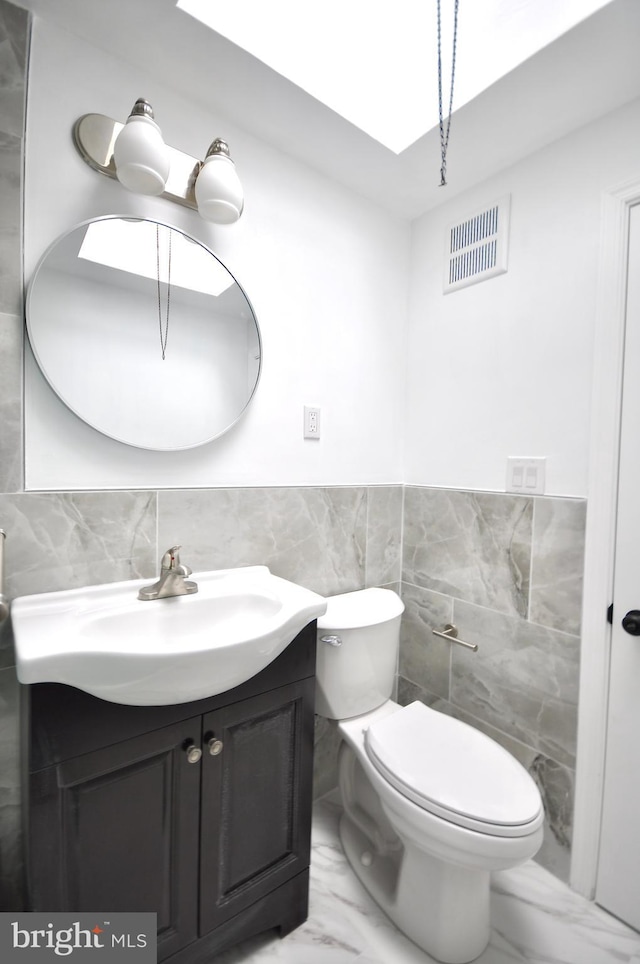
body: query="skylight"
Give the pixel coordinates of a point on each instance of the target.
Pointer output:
(375, 61)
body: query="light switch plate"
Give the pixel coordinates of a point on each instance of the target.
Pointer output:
(526, 475)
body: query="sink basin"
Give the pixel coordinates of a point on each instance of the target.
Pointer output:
(106, 641)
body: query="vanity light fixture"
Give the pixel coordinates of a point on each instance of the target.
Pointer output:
(141, 156)
(136, 155)
(218, 189)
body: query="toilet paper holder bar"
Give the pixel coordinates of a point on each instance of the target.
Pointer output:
(450, 632)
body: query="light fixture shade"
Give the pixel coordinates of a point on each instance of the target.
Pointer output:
(140, 154)
(218, 190)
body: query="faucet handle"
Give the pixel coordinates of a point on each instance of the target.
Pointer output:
(171, 558)
(171, 562)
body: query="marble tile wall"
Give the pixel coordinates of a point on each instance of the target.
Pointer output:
(13, 52)
(14, 31)
(507, 571)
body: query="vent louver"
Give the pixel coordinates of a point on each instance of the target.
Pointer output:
(476, 248)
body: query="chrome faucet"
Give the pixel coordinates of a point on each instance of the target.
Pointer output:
(173, 578)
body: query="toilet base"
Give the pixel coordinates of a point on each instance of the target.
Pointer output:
(441, 907)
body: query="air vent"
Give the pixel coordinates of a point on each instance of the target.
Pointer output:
(476, 249)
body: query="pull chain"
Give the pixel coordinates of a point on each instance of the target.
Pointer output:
(164, 329)
(444, 135)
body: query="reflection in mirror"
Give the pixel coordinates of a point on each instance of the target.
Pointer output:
(143, 333)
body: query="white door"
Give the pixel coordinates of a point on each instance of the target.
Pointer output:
(618, 882)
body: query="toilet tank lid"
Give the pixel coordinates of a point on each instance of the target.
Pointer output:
(364, 607)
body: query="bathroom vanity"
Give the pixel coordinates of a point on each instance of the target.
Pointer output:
(200, 811)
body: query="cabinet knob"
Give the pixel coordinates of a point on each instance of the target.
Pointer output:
(215, 746)
(194, 753)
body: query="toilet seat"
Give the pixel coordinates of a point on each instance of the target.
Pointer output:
(454, 771)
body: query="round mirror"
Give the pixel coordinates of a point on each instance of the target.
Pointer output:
(143, 333)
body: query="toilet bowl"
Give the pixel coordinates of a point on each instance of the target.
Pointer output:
(431, 805)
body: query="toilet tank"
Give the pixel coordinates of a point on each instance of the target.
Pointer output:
(356, 665)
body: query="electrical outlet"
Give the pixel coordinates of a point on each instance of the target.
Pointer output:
(311, 422)
(526, 475)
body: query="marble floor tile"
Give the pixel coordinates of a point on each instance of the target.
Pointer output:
(535, 920)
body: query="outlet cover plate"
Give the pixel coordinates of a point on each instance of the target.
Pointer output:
(311, 422)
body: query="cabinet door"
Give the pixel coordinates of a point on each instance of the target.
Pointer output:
(256, 799)
(117, 830)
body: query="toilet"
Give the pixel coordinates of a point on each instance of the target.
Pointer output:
(430, 805)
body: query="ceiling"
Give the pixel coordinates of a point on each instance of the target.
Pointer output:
(376, 65)
(584, 73)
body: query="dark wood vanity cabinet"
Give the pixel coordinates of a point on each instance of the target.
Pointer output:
(199, 812)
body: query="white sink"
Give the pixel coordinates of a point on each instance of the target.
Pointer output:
(106, 641)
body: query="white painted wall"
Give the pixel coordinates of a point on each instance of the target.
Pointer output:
(326, 272)
(501, 368)
(505, 367)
